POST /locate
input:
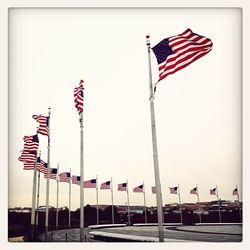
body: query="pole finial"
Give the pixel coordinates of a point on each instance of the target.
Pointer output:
(148, 39)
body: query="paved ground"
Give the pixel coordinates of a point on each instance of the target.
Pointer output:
(205, 233)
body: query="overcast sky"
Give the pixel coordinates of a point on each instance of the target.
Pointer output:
(198, 109)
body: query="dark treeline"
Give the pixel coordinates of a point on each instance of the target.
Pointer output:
(19, 223)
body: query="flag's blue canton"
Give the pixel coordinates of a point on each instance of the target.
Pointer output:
(107, 182)
(162, 50)
(175, 188)
(141, 186)
(78, 178)
(54, 171)
(68, 174)
(35, 138)
(93, 181)
(124, 184)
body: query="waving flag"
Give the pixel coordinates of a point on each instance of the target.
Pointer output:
(78, 97)
(106, 185)
(52, 175)
(28, 156)
(235, 191)
(41, 165)
(177, 52)
(193, 191)
(173, 190)
(153, 190)
(138, 189)
(43, 124)
(64, 177)
(90, 183)
(31, 143)
(76, 179)
(213, 191)
(28, 165)
(122, 187)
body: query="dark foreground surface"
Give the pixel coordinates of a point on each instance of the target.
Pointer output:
(142, 233)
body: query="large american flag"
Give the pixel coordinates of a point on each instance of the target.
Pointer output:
(138, 189)
(177, 52)
(78, 97)
(122, 187)
(90, 183)
(76, 179)
(31, 143)
(105, 185)
(27, 156)
(64, 177)
(173, 190)
(43, 124)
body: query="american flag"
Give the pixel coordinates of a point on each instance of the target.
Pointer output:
(177, 52)
(105, 185)
(78, 97)
(76, 179)
(31, 143)
(138, 189)
(235, 191)
(173, 190)
(29, 165)
(41, 165)
(52, 175)
(213, 191)
(27, 156)
(90, 184)
(64, 177)
(193, 191)
(153, 190)
(122, 187)
(44, 124)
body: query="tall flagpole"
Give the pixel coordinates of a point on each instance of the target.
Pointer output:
(57, 195)
(33, 211)
(198, 197)
(128, 205)
(81, 181)
(38, 194)
(70, 198)
(218, 199)
(145, 208)
(112, 202)
(180, 206)
(97, 209)
(47, 185)
(155, 152)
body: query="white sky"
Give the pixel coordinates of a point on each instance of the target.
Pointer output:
(198, 109)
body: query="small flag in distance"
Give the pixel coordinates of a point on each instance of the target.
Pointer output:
(193, 191)
(90, 183)
(106, 185)
(213, 191)
(173, 190)
(122, 187)
(138, 189)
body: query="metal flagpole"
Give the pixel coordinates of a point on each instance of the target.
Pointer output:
(47, 185)
(180, 206)
(218, 199)
(198, 197)
(57, 195)
(81, 181)
(37, 199)
(38, 194)
(145, 203)
(33, 211)
(155, 152)
(70, 198)
(112, 201)
(128, 205)
(97, 211)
